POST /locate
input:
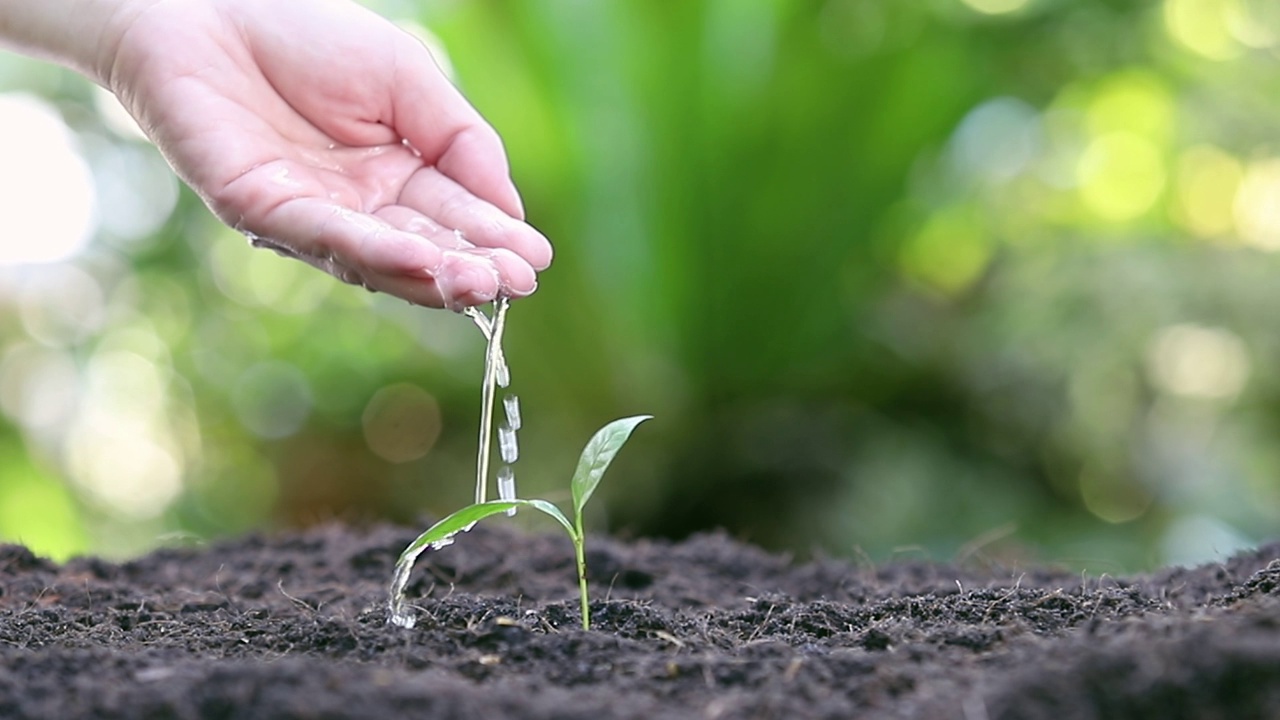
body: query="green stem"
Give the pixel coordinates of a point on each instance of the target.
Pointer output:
(579, 548)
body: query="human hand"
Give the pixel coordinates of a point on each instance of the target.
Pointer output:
(323, 131)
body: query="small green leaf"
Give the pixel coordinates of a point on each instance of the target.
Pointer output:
(600, 451)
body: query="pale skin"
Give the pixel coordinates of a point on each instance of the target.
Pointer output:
(315, 126)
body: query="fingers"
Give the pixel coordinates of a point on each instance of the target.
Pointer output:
(518, 278)
(440, 197)
(471, 181)
(408, 246)
(410, 220)
(437, 120)
(475, 158)
(374, 252)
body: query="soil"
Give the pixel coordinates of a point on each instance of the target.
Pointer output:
(294, 626)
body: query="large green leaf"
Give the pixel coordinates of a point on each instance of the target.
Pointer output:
(441, 534)
(597, 455)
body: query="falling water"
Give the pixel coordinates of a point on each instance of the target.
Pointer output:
(494, 364)
(506, 483)
(507, 447)
(511, 404)
(496, 374)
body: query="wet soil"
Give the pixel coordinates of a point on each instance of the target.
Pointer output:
(294, 626)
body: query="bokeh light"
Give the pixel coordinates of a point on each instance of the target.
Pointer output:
(1257, 205)
(1121, 175)
(950, 251)
(997, 140)
(1113, 498)
(121, 449)
(272, 399)
(261, 279)
(401, 423)
(61, 305)
(38, 387)
(46, 188)
(1196, 361)
(1208, 179)
(1202, 26)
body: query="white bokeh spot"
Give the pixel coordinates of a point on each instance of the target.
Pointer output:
(46, 188)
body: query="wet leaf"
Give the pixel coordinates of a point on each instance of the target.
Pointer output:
(443, 531)
(441, 535)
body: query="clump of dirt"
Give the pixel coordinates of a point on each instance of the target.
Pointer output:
(294, 625)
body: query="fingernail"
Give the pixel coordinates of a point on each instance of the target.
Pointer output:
(512, 292)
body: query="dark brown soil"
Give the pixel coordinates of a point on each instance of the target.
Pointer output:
(294, 626)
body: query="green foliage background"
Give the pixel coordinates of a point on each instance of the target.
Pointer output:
(894, 277)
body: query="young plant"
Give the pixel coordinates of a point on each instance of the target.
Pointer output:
(596, 457)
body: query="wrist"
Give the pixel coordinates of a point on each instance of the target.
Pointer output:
(83, 35)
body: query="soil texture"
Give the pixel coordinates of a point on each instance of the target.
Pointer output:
(295, 626)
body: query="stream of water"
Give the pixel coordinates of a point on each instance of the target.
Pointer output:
(497, 375)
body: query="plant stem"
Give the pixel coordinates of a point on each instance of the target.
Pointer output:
(580, 550)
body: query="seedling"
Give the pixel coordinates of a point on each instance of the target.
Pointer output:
(595, 459)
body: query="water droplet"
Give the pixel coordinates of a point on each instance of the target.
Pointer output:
(507, 446)
(511, 404)
(506, 483)
(278, 248)
(507, 486)
(479, 319)
(503, 374)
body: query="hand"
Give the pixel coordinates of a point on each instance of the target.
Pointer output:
(321, 130)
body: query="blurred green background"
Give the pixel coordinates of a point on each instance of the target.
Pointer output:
(939, 278)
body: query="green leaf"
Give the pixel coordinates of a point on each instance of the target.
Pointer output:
(441, 534)
(551, 510)
(600, 451)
